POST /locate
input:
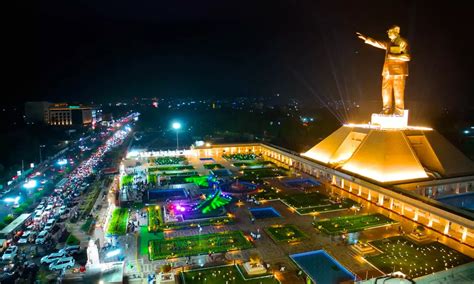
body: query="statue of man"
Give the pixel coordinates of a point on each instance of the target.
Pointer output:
(395, 69)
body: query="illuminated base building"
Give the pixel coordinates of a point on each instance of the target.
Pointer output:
(401, 168)
(61, 114)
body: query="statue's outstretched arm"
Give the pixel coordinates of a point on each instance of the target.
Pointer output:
(371, 41)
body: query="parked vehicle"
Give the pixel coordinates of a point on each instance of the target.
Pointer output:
(70, 250)
(52, 257)
(62, 263)
(42, 237)
(10, 253)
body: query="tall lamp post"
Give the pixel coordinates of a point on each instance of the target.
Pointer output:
(176, 126)
(41, 157)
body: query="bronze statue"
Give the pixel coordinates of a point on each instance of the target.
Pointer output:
(395, 69)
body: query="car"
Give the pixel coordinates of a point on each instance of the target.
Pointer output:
(71, 249)
(42, 236)
(49, 224)
(25, 237)
(52, 257)
(10, 253)
(62, 209)
(62, 263)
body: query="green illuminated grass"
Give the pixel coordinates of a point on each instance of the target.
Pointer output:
(198, 244)
(352, 224)
(414, 260)
(223, 275)
(285, 233)
(118, 222)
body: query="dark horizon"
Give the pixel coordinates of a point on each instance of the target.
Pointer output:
(98, 52)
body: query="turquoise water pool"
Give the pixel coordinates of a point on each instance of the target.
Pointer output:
(321, 267)
(265, 212)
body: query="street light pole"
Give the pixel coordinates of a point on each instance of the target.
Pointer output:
(176, 126)
(177, 140)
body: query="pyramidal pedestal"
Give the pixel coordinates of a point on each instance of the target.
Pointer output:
(388, 150)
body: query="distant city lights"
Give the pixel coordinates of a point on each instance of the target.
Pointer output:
(62, 162)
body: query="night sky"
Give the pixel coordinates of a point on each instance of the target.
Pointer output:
(109, 50)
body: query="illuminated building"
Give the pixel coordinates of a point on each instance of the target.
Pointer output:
(69, 115)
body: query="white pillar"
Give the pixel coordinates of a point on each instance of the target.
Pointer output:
(369, 197)
(446, 228)
(391, 203)
(464, 235)
(416, 215)
(360, 190)
(402, 211)
(342, 183)
(350, 187)
(333, 179)
(430, 221)
(380, 199)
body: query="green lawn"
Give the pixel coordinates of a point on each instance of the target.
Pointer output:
(155, 218)
(257, 174)
(306, 203)
(118, 222)
(167, 160)
(198, 244)
(198, 180)
(414, 260)
(170, 168)
(352, 223)
(213, 166)
(126, 180)
(145, 237)
(285, 233)
(222, 275)
(240, 157)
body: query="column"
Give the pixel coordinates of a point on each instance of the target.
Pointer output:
(369, 197)
(350, 187)
(446, 228)
(402, 211)
(457, 188)
(430, 221)
(360, 190)
(342, 183)
(333, 179)
(391, 203)
(380, 199)
(464, 235)
(416, 215)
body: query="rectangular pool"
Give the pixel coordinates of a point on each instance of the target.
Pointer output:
(163, 194)
(264, 212)
(307, 182)
(465, 200)
(321, 267)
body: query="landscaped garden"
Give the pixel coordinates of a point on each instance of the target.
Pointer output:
(170, 168)
(155, 218)
(258, 174)
(354, 223)
(414, 260)
(285, 233)
(223, 275)
(118, 222)
(254, 164)
(306, 203)
(240, 156)
(126, 180)
(167, 160)
(198, 244)
(213, 166)
(201, 181)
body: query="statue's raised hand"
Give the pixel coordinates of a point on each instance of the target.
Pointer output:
(361, 36)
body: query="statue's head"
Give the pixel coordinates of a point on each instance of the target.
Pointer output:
(393, 32)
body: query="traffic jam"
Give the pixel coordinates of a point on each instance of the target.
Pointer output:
(36, 240)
